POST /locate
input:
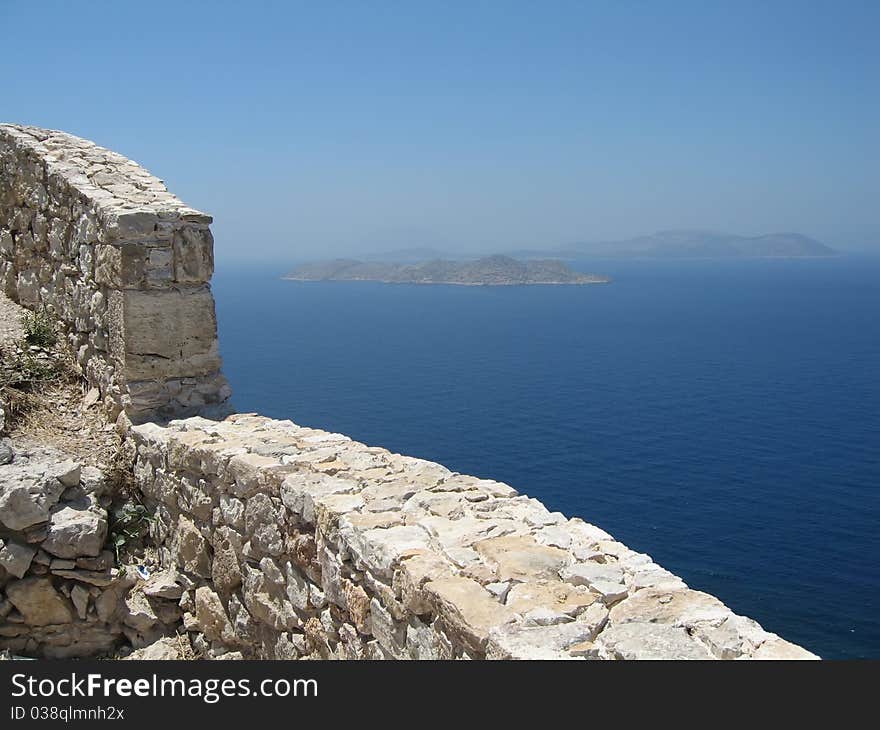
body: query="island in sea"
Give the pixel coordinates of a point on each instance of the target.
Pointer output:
(488, 271)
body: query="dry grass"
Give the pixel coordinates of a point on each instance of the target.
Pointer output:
(53, 413)
(42, 390)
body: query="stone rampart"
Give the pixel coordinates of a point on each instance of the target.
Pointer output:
(295, 542)
(102, 245)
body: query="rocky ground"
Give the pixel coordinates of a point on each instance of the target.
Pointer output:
(54, 410)
(75, 577)
(75, 580)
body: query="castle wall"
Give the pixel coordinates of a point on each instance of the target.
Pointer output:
(295, 542)
(103, 246)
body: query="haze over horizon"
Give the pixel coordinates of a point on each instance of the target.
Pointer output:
(351, 128)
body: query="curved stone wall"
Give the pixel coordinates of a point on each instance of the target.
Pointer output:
(293, 542)
(124, 264)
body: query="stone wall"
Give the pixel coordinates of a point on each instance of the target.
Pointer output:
(294, 542)
(61, 592)
(124, 264)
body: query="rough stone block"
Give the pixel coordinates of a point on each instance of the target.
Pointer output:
(193, 255)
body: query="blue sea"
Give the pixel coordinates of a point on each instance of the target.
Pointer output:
(722, 416)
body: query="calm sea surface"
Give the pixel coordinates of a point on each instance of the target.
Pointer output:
(723, 417)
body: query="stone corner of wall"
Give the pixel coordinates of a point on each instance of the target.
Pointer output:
(122, 262)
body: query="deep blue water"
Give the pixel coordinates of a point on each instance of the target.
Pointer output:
(723, 417)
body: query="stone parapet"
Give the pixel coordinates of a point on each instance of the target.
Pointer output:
(296, 543)
(125, 265)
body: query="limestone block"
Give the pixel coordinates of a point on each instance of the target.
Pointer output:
(225, 570)
(211, 616)
(80, 598)
(38, 601)
(468, 611)
(192, 550)
(76, 530)
(15, 557)
(26, 498)
(131, 224)
(164, 333)
(164, 649)
(521, 557)
(586, 574)
(138, 612)
(685, 608)
(163, 585)
(777, 649)
(245, 471)
(390, 633)
(300, 491)
(193, 255)
(121, 267)
(411, 576)
(550, 595)
(643, 640)
(423, 642)
(358, 603)
(267, 602)
(515, 641)
(380, 550)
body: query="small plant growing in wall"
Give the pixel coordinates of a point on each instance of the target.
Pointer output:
(130, 522)
(39, 329)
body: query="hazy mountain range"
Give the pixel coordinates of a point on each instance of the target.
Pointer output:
(681, 244)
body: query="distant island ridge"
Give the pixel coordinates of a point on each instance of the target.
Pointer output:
(673, 244)
(534, 266)
(488, 271)
(686, 244)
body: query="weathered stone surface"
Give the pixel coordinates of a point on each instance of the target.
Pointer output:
(358, 603)
(777, 649)
(16, 558)
(38, 601)
(92, 577)
(586, 574)
(554, 596)
(80, 597)
(225, 570)
(641, 640)
(138, 613)
(165, 649)
(468, 610)
(411, 576)
(75, 531)
(678, 607)
(380, 550)
(193, 551)
(163, 585)
(68, 473)
(522, 558)
(211, 615)
(537, 642)
(26, 495)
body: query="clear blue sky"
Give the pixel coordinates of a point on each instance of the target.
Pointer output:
(331, 127)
